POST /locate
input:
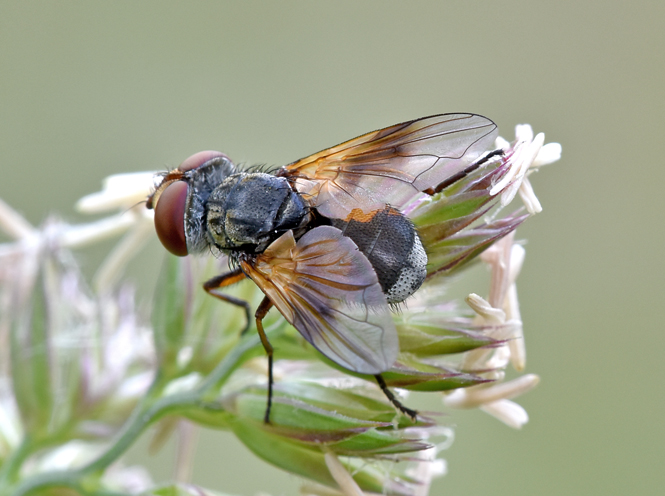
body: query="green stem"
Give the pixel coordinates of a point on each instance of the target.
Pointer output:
(150, 409)
(12, 465)
(235, 357)
(141, 417)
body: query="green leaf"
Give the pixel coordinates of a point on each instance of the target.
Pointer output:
(378, 442)
(359, 405)
(278, 451)
(308, 462)
(415, 375)
(30, 361)
(453, 253)
(424, 339)
(444, 210)
(294, 417)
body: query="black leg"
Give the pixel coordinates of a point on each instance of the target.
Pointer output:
(389, 394)
(463, 173)
(225, 280)
(261, 312)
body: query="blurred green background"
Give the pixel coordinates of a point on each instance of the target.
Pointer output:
(88, 89)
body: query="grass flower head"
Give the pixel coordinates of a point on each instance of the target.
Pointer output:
(83, 375)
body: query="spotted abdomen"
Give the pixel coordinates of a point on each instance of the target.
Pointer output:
(391, 244)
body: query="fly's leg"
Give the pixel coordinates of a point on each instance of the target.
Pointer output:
(389, 394)
(228, 279)
(261, 312)
(461, 174)
(223, 281)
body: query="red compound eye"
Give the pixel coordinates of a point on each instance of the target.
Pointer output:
(170, 218)
(170, 210)
(198, 159)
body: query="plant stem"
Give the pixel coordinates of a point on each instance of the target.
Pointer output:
(151, 409)
(13, 463)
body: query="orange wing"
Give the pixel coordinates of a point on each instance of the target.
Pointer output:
(391, 165)
(327, 289)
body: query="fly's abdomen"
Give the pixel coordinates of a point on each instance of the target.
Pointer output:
(391, 244)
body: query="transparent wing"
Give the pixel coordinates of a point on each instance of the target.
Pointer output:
(327, 289)
(391, 165)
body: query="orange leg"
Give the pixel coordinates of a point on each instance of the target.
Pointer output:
(224, 280)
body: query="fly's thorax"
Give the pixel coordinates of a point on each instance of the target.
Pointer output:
(250, 210)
